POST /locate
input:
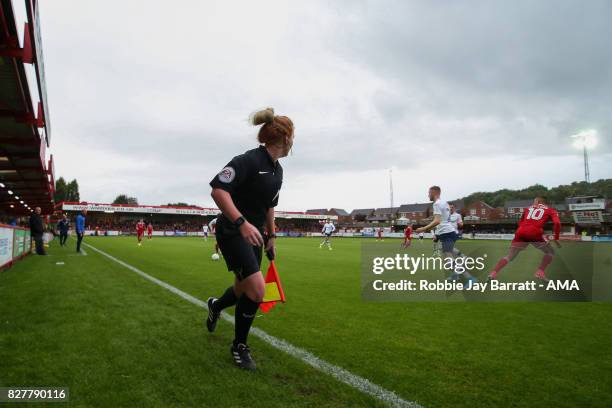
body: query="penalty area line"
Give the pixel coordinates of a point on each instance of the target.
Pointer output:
(357, 382)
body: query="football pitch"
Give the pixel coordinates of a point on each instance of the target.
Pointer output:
(117, 339)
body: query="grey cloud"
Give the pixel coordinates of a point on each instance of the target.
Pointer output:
(369, 84)
(547, 63)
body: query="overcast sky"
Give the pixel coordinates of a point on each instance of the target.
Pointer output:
(152, 98)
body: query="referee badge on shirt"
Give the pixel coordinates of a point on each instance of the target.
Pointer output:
(227, 175)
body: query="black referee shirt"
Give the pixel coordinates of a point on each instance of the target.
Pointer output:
(254, 181)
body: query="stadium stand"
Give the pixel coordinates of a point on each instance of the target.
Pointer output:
(26, 177)
(122, 218)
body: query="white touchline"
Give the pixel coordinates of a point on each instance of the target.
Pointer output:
(362, 384)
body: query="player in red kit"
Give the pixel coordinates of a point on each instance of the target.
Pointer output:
(150, 231)
(140, 229)
(408, 236)
(531, 231)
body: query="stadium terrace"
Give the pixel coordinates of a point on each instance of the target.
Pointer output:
(111, 218)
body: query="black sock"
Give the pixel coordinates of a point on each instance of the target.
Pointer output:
(226, 300)
(245, 314)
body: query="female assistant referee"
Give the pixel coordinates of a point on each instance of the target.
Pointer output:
(246, 191)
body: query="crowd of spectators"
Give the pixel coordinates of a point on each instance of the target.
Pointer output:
(283, 226)
(128, 226)
(14, 221)
(297, 228)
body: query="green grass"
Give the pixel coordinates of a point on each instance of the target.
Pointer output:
(117, 339)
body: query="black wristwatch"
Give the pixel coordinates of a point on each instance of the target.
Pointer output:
(239, 221)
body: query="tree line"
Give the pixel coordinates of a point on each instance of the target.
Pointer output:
(66, 191)
(553, 195)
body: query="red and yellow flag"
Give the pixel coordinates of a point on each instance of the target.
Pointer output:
(274, 290)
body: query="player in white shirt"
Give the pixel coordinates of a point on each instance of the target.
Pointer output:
(457, 221)
(327, 230)
(205, 231)
(212, 227)
(444, 230)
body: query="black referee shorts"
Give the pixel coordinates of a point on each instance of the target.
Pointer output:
(241, 257)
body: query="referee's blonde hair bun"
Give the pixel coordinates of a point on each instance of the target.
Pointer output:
(275, 128)
(262, 116)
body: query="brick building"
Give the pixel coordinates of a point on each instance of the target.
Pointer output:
(414, 212)
(479, 210)
(361, 214)
(514, 208)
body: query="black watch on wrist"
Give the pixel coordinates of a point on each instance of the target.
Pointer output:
(239, 221)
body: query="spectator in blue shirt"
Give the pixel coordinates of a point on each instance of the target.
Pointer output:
(80, 228)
